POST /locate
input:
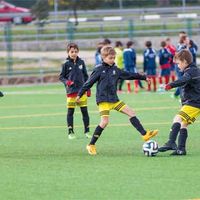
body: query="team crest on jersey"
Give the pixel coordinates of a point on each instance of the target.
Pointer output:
(80, 66)
(114, 72)
(70, 68)
(103, 71)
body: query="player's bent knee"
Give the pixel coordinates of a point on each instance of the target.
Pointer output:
(177, 118)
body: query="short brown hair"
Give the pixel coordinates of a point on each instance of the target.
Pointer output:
(148, 44)
(184, 55)
(129, 44)
(107, 50)
(72, 45)
(163, 44)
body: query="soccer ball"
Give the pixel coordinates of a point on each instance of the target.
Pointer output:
(150, 148)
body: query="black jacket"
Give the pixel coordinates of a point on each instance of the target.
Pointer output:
(75, 72)
(190, 86)
(107, 77)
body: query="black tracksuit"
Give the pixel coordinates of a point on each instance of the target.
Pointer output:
(107, 77)
(73, 71)
(190, 86)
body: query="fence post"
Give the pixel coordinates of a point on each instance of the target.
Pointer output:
(8, 40)
(189, 27)
(130, 29)
(70, 31)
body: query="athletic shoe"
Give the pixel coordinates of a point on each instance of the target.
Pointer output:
(87, 135)
(168, 146)
(149, 135)
(71, 136)
(1, 94)
(91, 149)
(179, 153)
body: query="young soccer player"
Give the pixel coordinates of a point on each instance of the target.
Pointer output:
(172, 49)
(190, 97)
(129, 56)
(150, 64)
(193, 50)
(106, 76)
(74, 75)
(119, 62)
(165, 58)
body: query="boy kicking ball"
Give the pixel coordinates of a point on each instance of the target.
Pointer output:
(106, 75)
(190, 98)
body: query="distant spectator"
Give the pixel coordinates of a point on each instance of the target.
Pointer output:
(193, 50)
(119, 61)
(150, 64)
(165, 58)
(98, 58)
(172, 50)
(129, 56)
(107, 41)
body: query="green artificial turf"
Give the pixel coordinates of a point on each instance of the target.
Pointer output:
(37, 161)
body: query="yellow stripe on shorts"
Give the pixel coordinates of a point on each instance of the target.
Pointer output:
(104, 113)
(119, 107)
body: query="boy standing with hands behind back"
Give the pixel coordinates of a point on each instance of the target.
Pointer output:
(73, 76)
(106, 76)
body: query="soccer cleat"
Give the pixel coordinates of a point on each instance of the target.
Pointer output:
(1, 94)
(87, 135)
(91, 149)
(168, 146)
(71, 136)
(179, 153)
(149, 135)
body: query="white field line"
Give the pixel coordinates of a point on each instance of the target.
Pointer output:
(79, 126)
(78, 112)
(34, 92)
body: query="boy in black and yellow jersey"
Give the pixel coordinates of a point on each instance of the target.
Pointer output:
(106, 75)
(190, 97)
(74, 75)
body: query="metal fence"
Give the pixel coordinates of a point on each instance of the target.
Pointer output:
(92, 25)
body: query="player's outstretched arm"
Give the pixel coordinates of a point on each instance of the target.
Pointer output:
(131, 76)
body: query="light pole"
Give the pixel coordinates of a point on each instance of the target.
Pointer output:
(120, 4)
(56, 15)
(183, 5)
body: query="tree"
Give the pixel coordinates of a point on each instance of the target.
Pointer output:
(41, 10)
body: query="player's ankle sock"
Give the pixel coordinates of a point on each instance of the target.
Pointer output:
(70, 130)
(173, 77)
(160, 80)
(174, 132)
(96, 134)
(154, 84)
(182, 139)
(166, 79)
(129, 87)
(136, 123)
(70, 120)
(86, 119)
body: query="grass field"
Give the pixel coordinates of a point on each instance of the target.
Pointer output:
(38, 162)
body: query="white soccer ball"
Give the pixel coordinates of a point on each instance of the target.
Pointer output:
(150, 148)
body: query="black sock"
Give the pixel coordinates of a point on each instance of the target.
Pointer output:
(96, 134)
(70, 120)
(86, 119)
(182, 139)
(136, 123)
(174, 132)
